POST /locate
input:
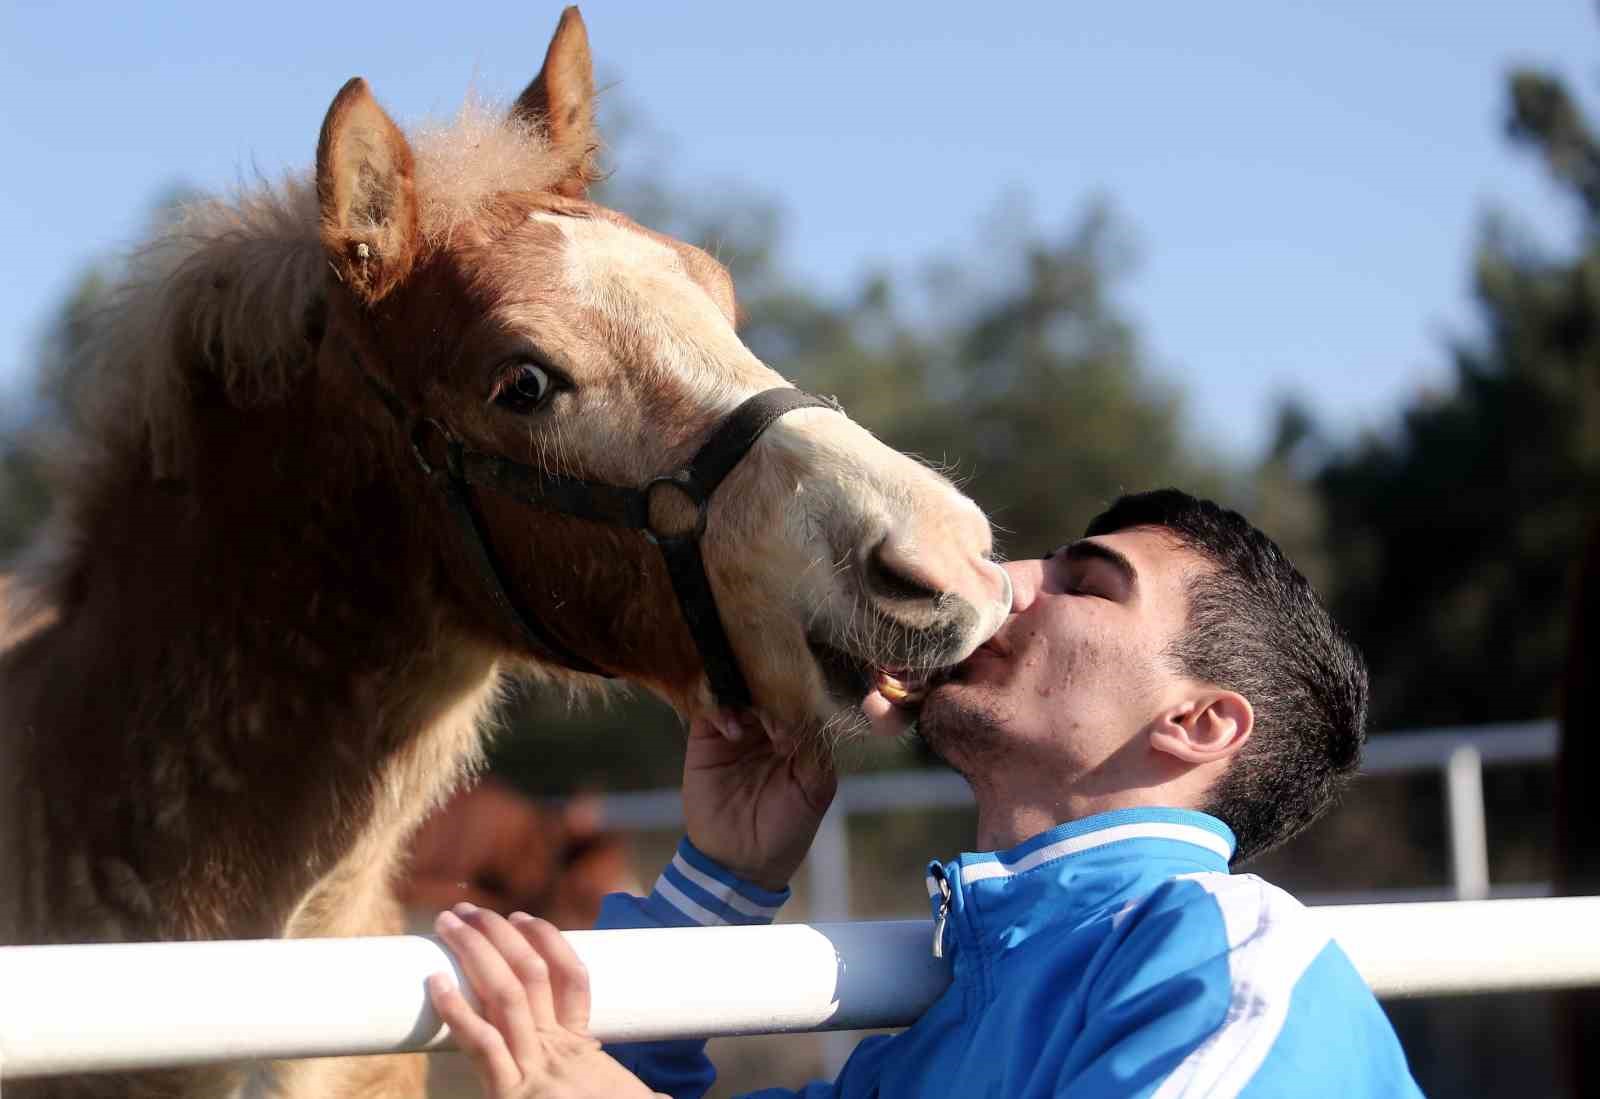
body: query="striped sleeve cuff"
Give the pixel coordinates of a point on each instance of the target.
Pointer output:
(696, 889)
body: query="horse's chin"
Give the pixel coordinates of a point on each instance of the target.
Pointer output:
(849, 678)
(846, 679)
(830, 707)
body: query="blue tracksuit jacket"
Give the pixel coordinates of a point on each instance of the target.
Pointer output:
(1111, 956)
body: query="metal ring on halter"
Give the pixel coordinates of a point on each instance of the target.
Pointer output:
(684, 482)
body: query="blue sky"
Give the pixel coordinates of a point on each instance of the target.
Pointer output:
(1303, 180)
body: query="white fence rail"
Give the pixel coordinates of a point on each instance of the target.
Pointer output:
(119, 1006)
(101, 1007)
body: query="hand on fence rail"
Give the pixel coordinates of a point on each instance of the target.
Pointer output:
(530, 1040)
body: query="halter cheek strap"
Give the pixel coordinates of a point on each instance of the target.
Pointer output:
(715, 459)
(615, 505)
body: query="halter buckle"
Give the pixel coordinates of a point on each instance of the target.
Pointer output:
(684, 482)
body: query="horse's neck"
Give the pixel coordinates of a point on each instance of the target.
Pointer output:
(255, 677)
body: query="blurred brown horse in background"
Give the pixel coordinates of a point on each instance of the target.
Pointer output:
(499, 849)
(256, 646)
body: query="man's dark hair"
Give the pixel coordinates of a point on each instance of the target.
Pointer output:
(1255, 626)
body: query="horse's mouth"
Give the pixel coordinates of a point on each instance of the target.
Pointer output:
(850, 679)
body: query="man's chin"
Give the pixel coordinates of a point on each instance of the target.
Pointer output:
(960, 720)
(932, 710)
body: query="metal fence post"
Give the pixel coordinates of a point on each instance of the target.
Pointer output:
(828, 868)
(1469, 844)
(828, 873)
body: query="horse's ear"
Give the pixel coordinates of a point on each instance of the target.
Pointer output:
(561, 100)
(367, 194)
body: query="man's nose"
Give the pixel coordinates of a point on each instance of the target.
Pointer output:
(1027, 577)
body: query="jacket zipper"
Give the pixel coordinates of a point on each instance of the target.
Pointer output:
(943, 917)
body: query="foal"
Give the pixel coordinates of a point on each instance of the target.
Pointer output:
(259, 641)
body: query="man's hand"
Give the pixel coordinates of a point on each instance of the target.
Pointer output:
(752, 805)
(531, 1041)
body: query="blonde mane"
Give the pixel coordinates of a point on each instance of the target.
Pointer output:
(230, 282)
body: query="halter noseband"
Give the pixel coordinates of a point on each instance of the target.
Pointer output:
(601, 503)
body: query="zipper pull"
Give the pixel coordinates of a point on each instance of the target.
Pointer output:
(944, 914)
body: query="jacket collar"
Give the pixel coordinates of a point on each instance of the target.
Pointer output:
(999, 898)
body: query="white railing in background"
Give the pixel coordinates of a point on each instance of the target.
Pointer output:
(111, 1006)
(1458, 754)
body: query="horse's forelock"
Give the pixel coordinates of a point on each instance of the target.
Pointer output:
(463, 165)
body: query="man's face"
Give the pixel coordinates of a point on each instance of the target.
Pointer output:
(1077, 670)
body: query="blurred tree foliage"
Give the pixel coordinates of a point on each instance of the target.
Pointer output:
(27, 434)
(24, 499)
(24, 492)
(1453, 538)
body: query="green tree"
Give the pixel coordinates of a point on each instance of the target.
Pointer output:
(1454, 535)
(24, 497)
(24, 487)
(55, 374)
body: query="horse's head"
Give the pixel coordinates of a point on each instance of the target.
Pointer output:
(479, 289)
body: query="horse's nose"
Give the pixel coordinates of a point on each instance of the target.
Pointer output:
(893, 574)
(1008, 592)
(924, 563)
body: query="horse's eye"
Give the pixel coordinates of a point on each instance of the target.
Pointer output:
(523, 388)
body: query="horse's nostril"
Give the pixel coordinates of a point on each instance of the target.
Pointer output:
(891, 579)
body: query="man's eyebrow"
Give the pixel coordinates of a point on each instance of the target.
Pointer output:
(1086, 550)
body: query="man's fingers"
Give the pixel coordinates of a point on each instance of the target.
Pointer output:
(500, 991)
(474, 1035)
(531, 970)
(710, 745)
(569, 978)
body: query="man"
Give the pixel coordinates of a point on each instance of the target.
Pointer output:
(1167, 694)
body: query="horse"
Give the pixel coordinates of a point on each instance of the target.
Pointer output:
(357, 446)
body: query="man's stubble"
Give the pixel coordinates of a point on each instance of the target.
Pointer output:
(964, 726)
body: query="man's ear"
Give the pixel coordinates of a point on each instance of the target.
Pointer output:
(1204, 729)
(368, 199)
(561, 100)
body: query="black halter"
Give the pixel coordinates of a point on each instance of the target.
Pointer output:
(601, 503)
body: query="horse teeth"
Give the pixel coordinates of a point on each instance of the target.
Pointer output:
(898, 691)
